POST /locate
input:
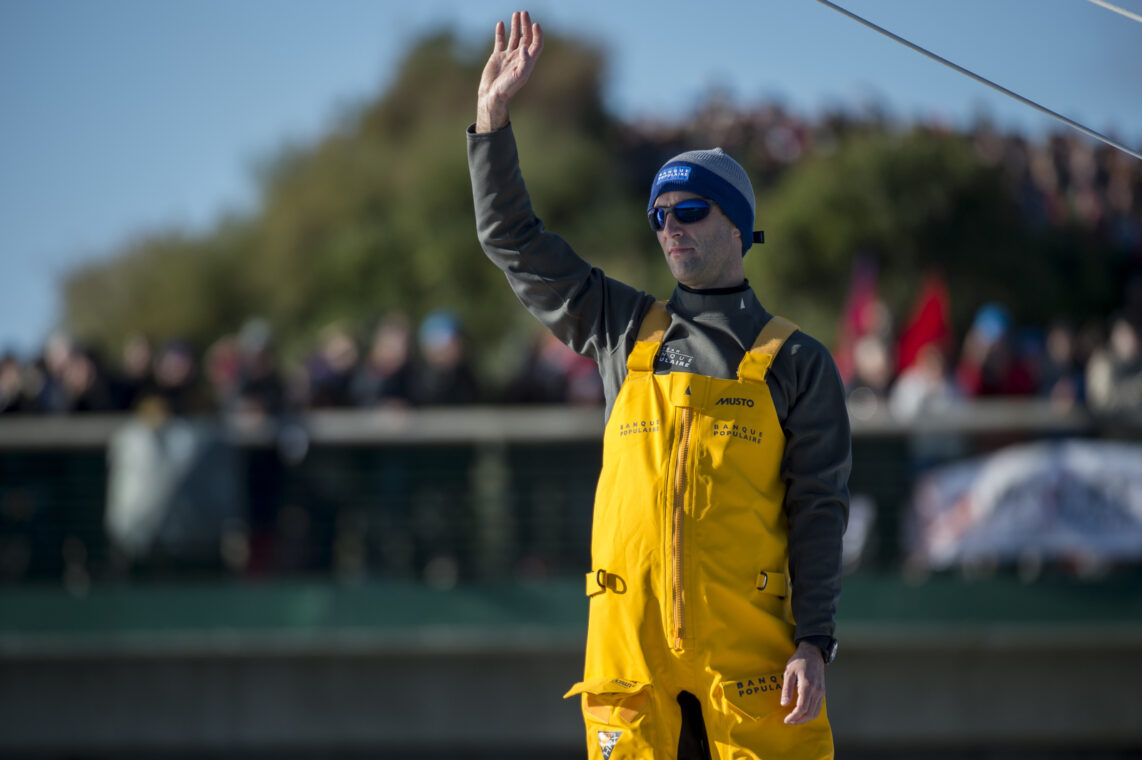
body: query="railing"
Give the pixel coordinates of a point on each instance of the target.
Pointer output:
(443, 494)
(537, 424)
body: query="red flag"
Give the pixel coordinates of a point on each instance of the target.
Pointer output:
(930, 322)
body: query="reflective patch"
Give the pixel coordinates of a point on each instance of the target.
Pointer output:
(607, 741)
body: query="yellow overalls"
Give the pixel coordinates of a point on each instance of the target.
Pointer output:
(690, 553)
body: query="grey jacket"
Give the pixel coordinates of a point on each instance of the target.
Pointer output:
(709, 334)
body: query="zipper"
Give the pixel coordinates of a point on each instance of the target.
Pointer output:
(681, 481)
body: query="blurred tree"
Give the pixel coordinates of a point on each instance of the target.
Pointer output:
(376, 216)
(167, 284)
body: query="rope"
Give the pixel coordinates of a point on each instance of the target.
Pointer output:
(1120, 11)
(1026, 101)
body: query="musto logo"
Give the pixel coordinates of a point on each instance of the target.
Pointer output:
(734, 401)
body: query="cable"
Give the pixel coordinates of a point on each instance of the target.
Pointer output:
(1120, 11)
(1026, 101)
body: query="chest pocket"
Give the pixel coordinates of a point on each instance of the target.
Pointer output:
(740, 438)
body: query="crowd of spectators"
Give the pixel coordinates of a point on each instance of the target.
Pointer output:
(907, 367)
(918, 366)
(180, 498)
(399, 364)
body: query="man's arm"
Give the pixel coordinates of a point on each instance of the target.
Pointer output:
(507, 70)
(816, 466)
(588, 311)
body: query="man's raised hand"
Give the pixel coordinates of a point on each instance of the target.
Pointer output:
(508, 69)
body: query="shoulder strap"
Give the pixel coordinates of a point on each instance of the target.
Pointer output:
(755, 363)
(650, 332)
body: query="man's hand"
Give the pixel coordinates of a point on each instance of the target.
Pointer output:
(805, 675)
(507, 70)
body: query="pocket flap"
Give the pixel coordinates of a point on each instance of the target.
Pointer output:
(754, 696)
(602, 686)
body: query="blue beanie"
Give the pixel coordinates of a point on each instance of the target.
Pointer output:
(714, 175)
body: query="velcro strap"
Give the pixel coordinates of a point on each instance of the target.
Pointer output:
(650, 333)
(755, 363)
(769, 582)
(600, 581)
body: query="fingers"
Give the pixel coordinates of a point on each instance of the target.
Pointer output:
(523, 33)
(513, 41)
(537, 40)
(501, 42)
(793, 683)
(810, 699)
(787, 687)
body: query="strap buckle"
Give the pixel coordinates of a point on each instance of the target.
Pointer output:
(600, 581)
(775, 584)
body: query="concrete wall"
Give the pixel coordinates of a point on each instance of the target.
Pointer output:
(433, 691)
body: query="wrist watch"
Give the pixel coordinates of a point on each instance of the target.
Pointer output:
(827, 645)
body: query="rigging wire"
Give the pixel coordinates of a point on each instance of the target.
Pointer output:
(983, 80)
(1120, 11)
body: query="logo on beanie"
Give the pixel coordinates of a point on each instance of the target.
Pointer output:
(673, 174)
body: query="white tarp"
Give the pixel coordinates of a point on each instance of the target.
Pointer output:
(1052, 500)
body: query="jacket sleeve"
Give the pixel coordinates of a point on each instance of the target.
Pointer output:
(818, 458)
(590, 312)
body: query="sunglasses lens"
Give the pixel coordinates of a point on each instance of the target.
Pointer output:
(689, 212)
(686, 212)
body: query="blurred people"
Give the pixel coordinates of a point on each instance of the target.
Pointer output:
(864, 314)
(873, 365)
(259, 402)
(260, 391)
(84, 385)
(554, 374)
(384, 377)
(330, 370)
(1061, 375)
(177, 382)
(174, 505)
(989, 364)
(51, 395)
(223, 368)
(443, 375)
(136, 376)
(925, 386)
(14, 397)
(1114, 374)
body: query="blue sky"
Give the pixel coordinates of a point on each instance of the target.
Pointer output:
(123, 116)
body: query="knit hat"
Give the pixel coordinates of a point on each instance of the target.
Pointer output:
(714, 175)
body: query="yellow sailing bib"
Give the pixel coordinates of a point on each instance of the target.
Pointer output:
(689, 589)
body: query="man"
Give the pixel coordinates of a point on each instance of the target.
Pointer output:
(722, 499)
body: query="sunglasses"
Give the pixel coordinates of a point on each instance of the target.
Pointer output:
(686, 212)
